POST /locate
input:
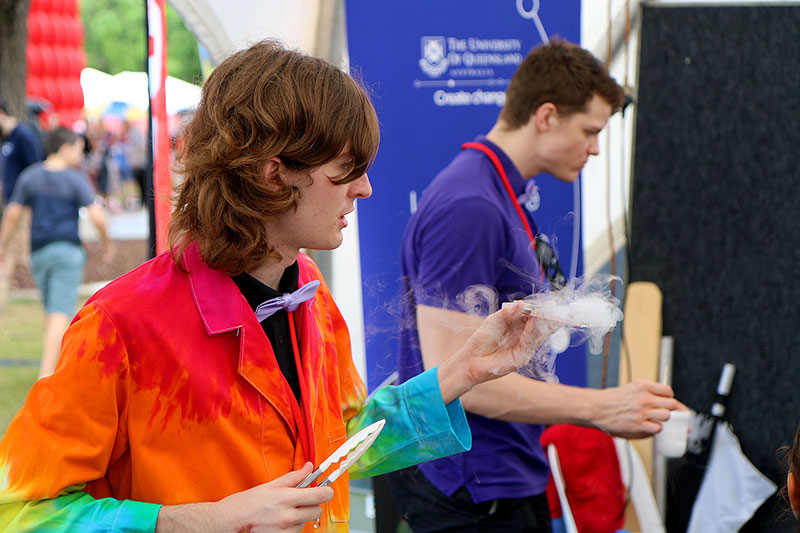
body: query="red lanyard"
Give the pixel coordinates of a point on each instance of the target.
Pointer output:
(302, 417)
(503, 176)
(513, 197)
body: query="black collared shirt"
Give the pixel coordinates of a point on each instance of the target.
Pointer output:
(276, 326)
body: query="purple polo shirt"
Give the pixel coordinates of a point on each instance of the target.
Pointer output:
(466, 232)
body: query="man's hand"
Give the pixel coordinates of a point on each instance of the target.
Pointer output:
(504, 342)
(636, 409)
(276, 506)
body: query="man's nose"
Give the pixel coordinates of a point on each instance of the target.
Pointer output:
(594, 146)
(361, 187)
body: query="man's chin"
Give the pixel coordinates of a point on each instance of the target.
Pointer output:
(567, 177)
(330, 245)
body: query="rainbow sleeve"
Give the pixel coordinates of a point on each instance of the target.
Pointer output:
(419, 426)
(77, 511)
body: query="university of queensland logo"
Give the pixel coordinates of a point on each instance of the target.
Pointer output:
(434, 57)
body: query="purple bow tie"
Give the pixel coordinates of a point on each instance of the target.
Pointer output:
(289, 301)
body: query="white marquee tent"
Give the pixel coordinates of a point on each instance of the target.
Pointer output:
(101, 89)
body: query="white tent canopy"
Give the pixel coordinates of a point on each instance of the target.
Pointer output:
(100, 89)
(95, 85)
(314, 26)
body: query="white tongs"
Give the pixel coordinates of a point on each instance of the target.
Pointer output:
(353, 448)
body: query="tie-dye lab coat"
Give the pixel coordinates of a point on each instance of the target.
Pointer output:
(167, 392)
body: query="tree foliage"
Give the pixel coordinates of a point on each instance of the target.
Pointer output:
(116, 37)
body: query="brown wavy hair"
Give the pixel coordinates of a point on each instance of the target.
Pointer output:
(563, 74)
(262, 102)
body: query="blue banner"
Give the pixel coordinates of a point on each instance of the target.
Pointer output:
(438, 73)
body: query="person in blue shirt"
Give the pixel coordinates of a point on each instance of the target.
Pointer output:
(54, 191)
(20, 148)
(470, 230)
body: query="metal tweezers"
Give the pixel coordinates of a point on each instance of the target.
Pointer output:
(353, 448)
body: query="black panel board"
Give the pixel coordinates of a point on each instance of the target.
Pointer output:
(715, 213)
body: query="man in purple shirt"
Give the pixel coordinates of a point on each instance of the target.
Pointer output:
(470, 230)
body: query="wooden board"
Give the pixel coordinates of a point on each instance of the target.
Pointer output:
(639, 357)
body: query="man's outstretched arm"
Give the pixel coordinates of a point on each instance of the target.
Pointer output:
(636, 409)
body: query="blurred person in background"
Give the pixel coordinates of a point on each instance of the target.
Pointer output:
(133, 147)
(54, 191)
(95, 162)
(21, 147)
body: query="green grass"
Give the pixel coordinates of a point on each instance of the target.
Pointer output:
(21, 325)
(15, 382)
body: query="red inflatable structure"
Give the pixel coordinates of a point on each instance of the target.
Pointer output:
(55, 56)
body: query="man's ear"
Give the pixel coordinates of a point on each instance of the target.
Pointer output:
(545, 116)
(793, 488)
(273, 171)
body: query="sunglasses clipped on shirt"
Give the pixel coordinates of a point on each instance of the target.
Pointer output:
(549, 263)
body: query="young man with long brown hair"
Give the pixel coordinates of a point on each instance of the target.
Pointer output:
(196, 392)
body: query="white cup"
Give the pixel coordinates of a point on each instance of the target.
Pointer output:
(671, 441)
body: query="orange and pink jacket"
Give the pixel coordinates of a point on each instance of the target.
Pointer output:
(168, 392)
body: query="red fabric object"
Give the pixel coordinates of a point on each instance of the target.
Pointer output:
(592, 478)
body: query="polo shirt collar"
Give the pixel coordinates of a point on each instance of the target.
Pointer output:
(514, 176)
